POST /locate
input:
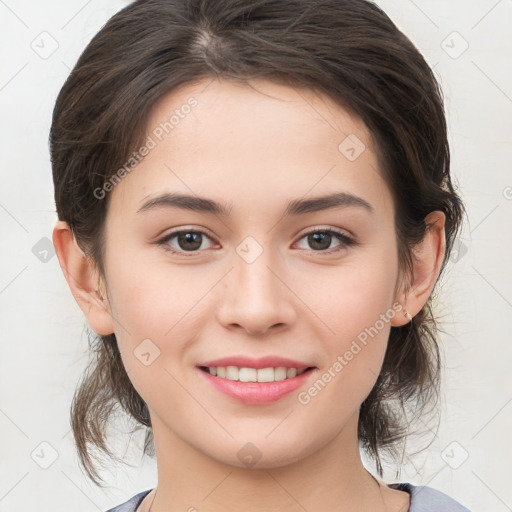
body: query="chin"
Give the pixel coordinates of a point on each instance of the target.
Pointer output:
(263, 454)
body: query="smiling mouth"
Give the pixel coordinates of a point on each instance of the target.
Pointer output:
(245, 374)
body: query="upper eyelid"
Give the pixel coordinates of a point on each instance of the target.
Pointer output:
(336, 231)
(339, 231)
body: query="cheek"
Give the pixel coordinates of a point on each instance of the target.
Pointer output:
(159, 310)
(358, 293)
(153, 324)
(361, 325)
(359, 310)
(151, 299)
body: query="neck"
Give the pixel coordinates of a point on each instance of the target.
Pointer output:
(332, 478)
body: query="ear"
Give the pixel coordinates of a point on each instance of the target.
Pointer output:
(83, 279)
(427, 260)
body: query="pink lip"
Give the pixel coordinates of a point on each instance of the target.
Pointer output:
(262, 362)
(257, 392)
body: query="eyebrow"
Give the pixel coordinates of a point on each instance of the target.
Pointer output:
(295, 207)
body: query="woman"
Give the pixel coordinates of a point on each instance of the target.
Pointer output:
(255, 205)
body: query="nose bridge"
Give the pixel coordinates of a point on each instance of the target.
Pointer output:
(252, 269)
(256, 297)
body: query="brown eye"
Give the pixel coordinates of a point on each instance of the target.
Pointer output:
(187, 240)
(320, 240)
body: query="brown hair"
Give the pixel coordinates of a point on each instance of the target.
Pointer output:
(347, 49)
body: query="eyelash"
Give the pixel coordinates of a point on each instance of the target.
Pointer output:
(345, 240)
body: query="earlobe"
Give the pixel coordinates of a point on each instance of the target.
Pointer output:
(82, 277)
(428, 257)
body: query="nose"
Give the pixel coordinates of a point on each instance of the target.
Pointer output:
(256, 296)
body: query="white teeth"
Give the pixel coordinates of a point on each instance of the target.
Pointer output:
(266, 375)
(291, 372)
(232, 373)
(280, 373)
(248, 375)
(254, 375)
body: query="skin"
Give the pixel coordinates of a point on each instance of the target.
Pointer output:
(253, 149)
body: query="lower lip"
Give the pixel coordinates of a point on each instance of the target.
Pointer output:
(257, 392)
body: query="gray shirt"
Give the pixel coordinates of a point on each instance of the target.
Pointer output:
(423, 499)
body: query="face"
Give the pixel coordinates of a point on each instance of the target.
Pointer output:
(251, 279)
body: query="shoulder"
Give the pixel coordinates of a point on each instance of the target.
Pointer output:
(132, 504)
(427, 499)
(423, 499)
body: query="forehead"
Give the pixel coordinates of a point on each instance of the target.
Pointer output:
(259, 140)
(244, 108)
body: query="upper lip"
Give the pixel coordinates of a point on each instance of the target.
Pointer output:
(262, 362)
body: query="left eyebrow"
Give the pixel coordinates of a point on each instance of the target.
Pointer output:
(294, 207)
(331, 201)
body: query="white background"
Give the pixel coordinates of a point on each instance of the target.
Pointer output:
(43, 341)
